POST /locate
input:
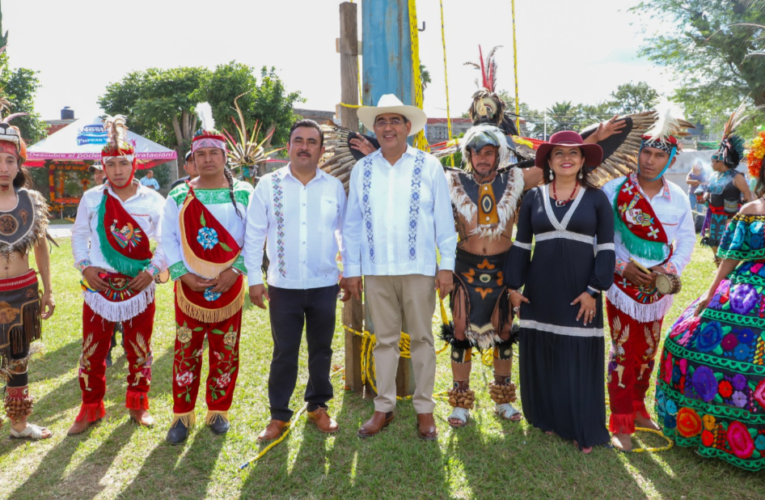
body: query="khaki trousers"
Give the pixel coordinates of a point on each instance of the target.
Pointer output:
(392, 300)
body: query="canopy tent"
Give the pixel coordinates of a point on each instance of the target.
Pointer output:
(82, 140)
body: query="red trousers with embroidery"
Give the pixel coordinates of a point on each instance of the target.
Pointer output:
(223, 341)
(633, 349)
(96, 339)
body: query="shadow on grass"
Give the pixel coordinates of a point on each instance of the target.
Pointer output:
(48, 481)
(160, 477)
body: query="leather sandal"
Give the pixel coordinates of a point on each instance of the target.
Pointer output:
(376, 424)
(31, 432)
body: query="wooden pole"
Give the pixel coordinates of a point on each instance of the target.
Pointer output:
(388, 70)
(348, 46)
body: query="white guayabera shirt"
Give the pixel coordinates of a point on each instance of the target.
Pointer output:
(301, 226)
(397, 215)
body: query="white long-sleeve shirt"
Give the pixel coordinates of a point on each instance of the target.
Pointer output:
(145, 206)
(301, 226)
(397, 215)
(218, 202)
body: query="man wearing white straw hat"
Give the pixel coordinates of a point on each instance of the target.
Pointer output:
(398, 212)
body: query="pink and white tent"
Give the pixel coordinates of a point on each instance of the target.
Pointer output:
(82, 140)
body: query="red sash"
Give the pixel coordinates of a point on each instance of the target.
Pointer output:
(208, 249)
(641, 230)
(124, 245)
(118, 289)
(641, 233)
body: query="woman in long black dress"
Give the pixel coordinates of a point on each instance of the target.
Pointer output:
(561, 311)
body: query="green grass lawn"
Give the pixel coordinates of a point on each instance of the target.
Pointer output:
(487, 459)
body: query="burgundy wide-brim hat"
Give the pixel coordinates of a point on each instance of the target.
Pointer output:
(593, 153)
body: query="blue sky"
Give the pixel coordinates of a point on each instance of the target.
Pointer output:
(568, 51)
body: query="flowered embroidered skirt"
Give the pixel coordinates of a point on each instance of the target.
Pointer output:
(710, 391)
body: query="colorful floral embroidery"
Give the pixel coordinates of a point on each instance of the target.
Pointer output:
(278, 200)
(207, 237)
(620, 266)
(219, 381)
(414, 204)
(366, 187)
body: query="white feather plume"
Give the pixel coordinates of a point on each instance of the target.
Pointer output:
(669, 123)
(204, 112)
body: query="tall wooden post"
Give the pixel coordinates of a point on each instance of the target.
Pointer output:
(388, 70)
(348, 46)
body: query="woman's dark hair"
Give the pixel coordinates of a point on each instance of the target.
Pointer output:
(23, 179)
(309, 124)
(230, 179)
(759, 188)
(585, 181)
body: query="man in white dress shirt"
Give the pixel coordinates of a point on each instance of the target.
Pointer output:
(399, 211)
(298, 211)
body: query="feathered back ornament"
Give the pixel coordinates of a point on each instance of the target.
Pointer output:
(484, 135)
(487, 106)
(244, 148)
(117, 138)
(756, 155)
(731, 150)
(207, 136)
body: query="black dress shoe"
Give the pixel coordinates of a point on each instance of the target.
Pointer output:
(219, 425)
(177, 433)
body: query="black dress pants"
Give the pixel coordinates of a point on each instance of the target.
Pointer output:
(289, 310)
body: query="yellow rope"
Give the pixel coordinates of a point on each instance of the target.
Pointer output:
(656, 449)
(515, 67)
(446, 80)
(354, 106)
(419, 139)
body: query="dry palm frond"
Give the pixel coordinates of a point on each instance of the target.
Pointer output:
(244, 150)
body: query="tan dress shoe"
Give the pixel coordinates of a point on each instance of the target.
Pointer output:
(274, 430)
(374, 425)
(141, 417)
(80, 426)
(426, 427)
(322, 420)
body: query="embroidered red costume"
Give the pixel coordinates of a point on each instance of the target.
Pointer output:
(203, 234)
(114, 236)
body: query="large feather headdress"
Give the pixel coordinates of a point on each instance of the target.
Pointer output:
(487, 105)
(731, 150)
(117, 139)
(207, 136)
(668, 127)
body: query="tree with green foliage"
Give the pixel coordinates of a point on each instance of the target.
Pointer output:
(268, 103)
(632, 98)
(706, 43)
(158, 103)
(20, 86)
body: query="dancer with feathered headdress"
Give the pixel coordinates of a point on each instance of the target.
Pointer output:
(203, 235)
(728, 186)
(111, 240)
(654, 232)
(22, 229)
